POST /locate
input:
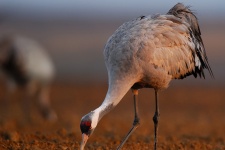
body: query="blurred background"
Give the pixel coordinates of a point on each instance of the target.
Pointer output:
(75, 32)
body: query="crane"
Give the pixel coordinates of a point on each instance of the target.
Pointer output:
(26, 64)
(148, 52)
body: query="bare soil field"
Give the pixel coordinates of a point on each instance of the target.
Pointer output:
(191, 118)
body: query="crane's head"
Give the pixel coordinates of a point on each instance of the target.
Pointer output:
(87, 126)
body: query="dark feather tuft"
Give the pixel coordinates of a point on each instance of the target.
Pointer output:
(188, 16)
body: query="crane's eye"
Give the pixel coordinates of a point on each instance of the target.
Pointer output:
(85, 126)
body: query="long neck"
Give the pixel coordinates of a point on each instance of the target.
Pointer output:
(116, 91)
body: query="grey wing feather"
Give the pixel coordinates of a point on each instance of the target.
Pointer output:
(165, 41)
(169, 46)
(186, 15)
(178, 47)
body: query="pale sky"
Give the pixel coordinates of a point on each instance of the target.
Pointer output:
(207, 8)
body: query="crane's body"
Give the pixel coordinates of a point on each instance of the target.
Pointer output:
(148, 52)
(24, 63)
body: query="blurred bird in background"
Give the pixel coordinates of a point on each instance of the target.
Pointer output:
(24, 63)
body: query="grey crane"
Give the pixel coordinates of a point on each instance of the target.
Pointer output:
(24, 63)
(148, 52)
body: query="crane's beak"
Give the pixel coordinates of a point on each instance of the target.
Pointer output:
(84, 141)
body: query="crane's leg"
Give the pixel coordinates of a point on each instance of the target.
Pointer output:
(44, 104)
(29, 91)
(156, 119)
(136, 119)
